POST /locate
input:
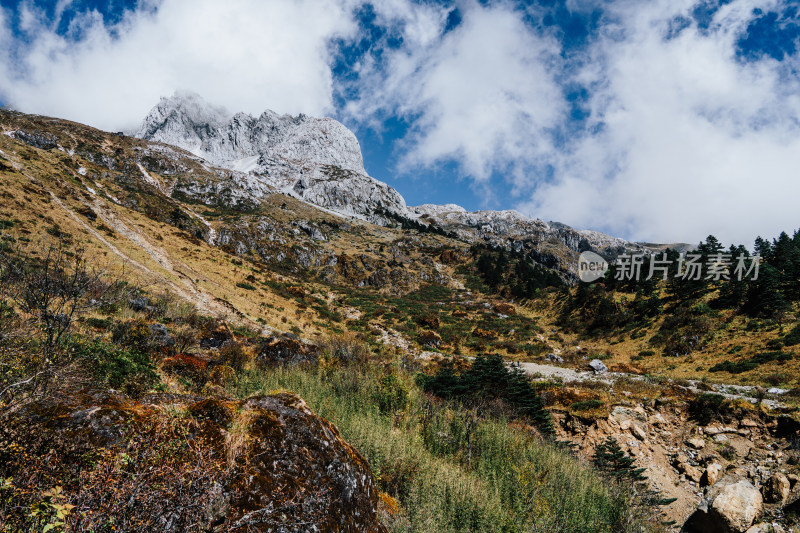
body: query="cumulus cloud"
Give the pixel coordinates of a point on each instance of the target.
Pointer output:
(683, 137)
(243, 54)
(481, 94)
(687, 139)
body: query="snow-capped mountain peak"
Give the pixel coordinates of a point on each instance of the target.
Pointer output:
(317, 159)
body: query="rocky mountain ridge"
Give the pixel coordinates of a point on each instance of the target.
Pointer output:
(319, 161)
(315, 159)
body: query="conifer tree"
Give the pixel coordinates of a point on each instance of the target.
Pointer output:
(615, 464)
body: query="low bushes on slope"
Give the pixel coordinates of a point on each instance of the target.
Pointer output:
(452, 469)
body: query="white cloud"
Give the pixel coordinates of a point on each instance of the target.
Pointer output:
(481, 94)
(692, 141)
(243, 54)
(683, 139)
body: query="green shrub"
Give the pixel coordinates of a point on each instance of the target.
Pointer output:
(793, 337)
(775, 344)
(705, 408)
(587, 405)
(746, 365)
(392, 394)
(120, 368)
(728, 452)
(131, 333)
(245, 285)
(99, 323)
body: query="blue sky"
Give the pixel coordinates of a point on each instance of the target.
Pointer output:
(661, 120)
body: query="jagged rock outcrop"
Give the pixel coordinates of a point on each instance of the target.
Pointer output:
(552, 244)
(316, 159)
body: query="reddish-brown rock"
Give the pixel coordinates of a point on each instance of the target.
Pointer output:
(266, 464)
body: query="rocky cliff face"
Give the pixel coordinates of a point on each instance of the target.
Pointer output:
(316, 159)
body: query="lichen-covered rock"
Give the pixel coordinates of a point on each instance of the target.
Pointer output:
(484, 333)
(161, 338)
(429, 339)
(215, 333)
(430, 321)
(265, 464)
(305, 478)
(286, 351)
(505, 309)
(188, 367)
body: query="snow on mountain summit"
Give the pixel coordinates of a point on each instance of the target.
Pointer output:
(319, 161)
(188, 121)
(316, 159)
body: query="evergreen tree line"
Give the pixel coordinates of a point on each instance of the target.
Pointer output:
(513, 273)
(489, 378)
(770, 295)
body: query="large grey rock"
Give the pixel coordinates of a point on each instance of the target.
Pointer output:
(730, 506)
(598, 366)
(554, 358)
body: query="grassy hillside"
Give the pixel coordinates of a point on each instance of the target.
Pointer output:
(112, 280)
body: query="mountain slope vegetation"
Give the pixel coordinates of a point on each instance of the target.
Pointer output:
(149, 296)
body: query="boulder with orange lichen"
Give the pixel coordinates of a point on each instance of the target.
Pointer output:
(306, 474)
(505, 309)
(190, 367)
(484, 333)
(185, 463)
